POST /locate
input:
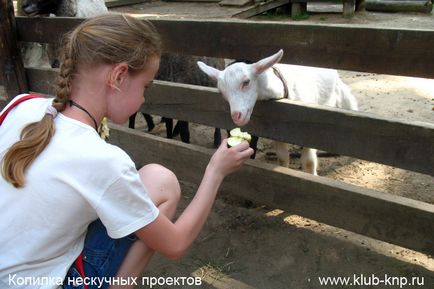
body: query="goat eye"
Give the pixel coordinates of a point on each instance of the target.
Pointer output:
(246, 82)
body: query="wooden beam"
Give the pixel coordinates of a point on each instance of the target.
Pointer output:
(390, 51)
(199, 1)
(334, 46)
(44, 30)
(117, 3)
(11, 65)
(42, 80)
(299, 6)
(424, 6)
(385, 217)
(236, 3)
(261, 7)
(319, 1)
(406, 145)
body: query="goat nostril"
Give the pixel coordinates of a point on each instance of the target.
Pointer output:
(236, 115)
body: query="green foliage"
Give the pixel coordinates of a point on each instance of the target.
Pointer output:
(303, 16)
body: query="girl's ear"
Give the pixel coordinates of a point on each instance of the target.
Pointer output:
(117, 76)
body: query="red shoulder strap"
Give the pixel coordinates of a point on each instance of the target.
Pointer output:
(80, 268)
(15, 103)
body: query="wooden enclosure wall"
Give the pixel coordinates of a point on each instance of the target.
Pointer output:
(408, 145)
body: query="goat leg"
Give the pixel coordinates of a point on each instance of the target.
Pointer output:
(254, 145)
(132, 121)
(217, 137)
(169, 126)
(149, 121)
(182, 129)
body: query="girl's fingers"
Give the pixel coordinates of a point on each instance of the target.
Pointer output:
(244, 145)
(224, 143)
(247, 153)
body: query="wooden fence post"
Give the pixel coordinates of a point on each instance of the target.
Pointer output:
(349, 8)
(12, 74)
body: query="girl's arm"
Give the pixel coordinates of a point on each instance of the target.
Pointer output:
(173, 239)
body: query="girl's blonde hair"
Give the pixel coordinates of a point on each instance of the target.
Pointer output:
(107, 39)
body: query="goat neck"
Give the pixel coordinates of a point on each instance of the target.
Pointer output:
(270, 86)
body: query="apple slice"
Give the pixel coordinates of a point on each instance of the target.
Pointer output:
(237, 136)
(233, 141)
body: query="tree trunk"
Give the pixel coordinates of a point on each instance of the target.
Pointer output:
(399, 6)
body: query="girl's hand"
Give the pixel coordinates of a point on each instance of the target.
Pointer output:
(228, 160)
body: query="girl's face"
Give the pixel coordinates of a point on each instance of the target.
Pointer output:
(132, 92)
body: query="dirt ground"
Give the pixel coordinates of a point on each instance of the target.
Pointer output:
(245, 245)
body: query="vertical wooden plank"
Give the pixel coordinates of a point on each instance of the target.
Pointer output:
(349, 8)
(11, 64)
(298, 9)
(20, 11)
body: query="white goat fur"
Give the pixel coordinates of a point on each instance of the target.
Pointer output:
(83, 8)
(243, 84)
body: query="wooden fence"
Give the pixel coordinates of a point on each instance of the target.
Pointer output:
(407, 145)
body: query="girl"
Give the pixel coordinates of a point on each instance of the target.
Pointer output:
(65, 193)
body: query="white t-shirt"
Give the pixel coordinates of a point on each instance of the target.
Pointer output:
(75, 180)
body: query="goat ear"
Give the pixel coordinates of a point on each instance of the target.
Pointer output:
(208, 70)
(267, 62)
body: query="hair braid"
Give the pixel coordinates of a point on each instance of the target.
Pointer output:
(34, 138)
(67, 70)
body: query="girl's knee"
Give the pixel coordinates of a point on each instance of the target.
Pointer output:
(161, 180)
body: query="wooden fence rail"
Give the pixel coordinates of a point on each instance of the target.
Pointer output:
(382, 216)
(391, 51)
(407, 145)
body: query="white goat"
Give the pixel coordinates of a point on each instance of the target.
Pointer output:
(243, 84)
